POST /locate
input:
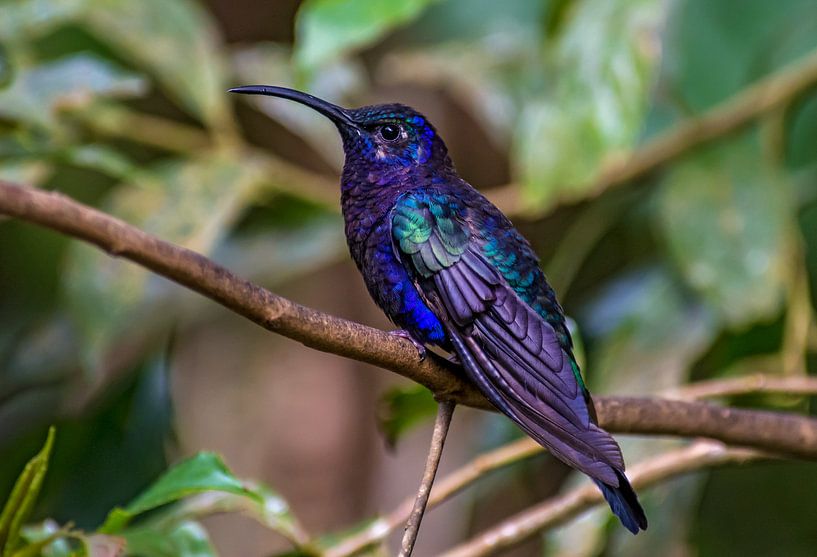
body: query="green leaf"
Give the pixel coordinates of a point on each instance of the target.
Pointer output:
(200, 473)
(29, 172)
(176, 41)
(191, 203)
(188, 539)
(101, 158)
(46, 538)
(264, 505)
(38, 92)
(726, 216)
(26, 19)
(328, 29)
(23, 495)
(603, 66)
(402, 408)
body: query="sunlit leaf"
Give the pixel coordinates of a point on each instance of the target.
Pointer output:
(202, 486)
(403, 408)
(603, 66)
(173, 39)
(38, 92)
(188, 539)
(28, 172)
(24, 19)
(191, 203)
(260, 503)
(102, 158)
(725, 214)
(486, 55)
(23, 496)
(46, 538)
(328, 29)
(713, 50)
(200, 473)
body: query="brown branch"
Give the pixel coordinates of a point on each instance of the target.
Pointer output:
(445, 409)
(558, 510)
(521, 449)
(745, 384)
(778, 432)
(444, 489)
(766, 95)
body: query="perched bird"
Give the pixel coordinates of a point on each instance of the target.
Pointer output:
(450, 269)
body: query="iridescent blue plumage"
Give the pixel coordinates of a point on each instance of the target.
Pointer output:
(448, 267)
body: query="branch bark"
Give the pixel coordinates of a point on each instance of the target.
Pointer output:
(777, 432)
(525, 448)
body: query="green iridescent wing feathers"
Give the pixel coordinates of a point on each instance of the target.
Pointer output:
(426, 231)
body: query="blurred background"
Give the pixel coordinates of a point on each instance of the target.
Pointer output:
(703, 268)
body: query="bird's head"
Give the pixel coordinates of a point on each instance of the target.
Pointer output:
(388, 137)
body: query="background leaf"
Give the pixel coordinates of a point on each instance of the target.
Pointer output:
(199, 200)
(602, 67)
(40, 91)
(188, 539)
(328, 29)
(724, 213)
(23, 495)
(202, 472)
(154, 33)
(402, 408)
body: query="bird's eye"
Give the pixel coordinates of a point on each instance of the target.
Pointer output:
(389, 132)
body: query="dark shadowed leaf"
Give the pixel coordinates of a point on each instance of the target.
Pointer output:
(23, 496)
(402, 408)
(726, 216)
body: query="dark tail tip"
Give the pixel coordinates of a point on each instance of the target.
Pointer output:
(624, 503)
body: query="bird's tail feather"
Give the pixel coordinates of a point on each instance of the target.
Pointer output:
(624, 503)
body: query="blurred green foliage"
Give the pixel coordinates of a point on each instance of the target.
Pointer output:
(705, 269)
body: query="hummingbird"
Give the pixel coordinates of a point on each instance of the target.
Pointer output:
(449, 268)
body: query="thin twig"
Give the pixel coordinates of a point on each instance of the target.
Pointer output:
(444, 489)
(524, 448)
(558, 510)
(745, 384)
(445, 409)
(766, 95)
(772, 431)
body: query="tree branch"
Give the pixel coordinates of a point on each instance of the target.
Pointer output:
(766, 95)
(777, 432)
(524, 448)
(560, 509)
(445, 410)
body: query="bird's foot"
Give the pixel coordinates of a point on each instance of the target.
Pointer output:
(402, 333)
(454, 359)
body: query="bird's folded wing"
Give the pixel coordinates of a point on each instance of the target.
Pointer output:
(507, 349)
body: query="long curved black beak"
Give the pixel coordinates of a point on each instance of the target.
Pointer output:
(337, 114)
